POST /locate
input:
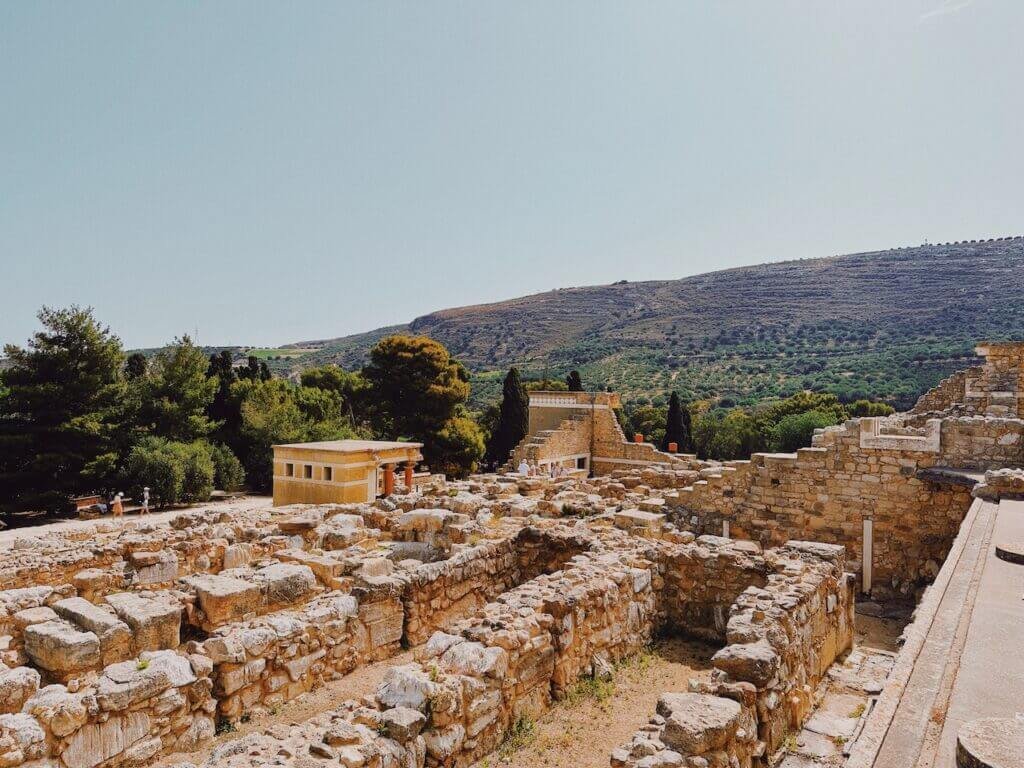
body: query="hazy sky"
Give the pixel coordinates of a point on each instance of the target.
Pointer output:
(279, 172)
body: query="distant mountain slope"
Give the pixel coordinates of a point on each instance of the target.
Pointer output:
(884, 324)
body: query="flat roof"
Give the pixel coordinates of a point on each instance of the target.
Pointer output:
(353, 446)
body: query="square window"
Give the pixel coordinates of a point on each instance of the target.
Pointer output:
(307, 471)
(289, 470)
(328, 473)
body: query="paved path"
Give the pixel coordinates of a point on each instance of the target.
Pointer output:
(8, 536)
(963, 658)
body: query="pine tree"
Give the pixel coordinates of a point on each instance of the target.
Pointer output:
(513, 420)
(677, 426)
(574, 382)
(61, 412)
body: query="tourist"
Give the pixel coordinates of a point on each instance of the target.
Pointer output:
(117, 507)
(524, 467)
(145, 501)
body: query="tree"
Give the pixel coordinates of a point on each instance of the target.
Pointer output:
(135, 366)
(62, 418)
(574, 382)
(177, 393)
(796, 430)
(648, 421)
(274, 412)
(255, 370)
(513, 419)
(174, 472)
(415, 383)
(457, 447)
(220, 410)
(228, 473)
(677, 426)
(351, 387)
(730, 435)
(868, 408)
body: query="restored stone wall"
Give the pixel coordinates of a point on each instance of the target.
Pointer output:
(825, 493)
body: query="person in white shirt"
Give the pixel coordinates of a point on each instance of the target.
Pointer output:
(524, 468)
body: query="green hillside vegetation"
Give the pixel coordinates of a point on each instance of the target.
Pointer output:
(883, 326)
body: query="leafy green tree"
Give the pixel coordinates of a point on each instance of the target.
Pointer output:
(175, 472)
(276, 412)
(228, 473)
(574, 382)
(153, 464)
(62, 418)
(648, 421)
(177, 393)
(730, 435)
(351, 387)
(677, 426)
(795, 430)
(546, 385)
(513, 419)
(457, 447)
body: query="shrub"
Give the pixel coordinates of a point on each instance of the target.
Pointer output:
(175, 472)
(795, 430)
(197, 482)
(228, 474)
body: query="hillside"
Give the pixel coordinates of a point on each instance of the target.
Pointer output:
(886, 324)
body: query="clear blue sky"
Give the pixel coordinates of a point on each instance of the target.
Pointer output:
(290, 171)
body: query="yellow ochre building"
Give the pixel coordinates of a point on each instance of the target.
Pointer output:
(341, 471)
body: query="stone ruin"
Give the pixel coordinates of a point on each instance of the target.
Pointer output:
(128, 641)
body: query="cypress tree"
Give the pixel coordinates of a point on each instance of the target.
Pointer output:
(513, 420)
(677, 425)
(574, 382)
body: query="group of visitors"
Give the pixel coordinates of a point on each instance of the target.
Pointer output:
(532, 469)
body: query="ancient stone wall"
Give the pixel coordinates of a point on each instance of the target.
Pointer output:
(825, 493)
(946, 394)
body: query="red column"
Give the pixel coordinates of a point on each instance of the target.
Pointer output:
(389, 479)
(408, 475)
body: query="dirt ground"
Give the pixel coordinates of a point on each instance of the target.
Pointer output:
(581, 731)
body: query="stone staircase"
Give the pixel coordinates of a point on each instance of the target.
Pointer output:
(532, 447)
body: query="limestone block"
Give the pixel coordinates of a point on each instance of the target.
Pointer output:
(224, 599)
(154, 567)
(115, 636)
(285, 583)
(755, 663)
(61, 648)
(16, 687)
(155, 622)
(697, 723)
(97, 742)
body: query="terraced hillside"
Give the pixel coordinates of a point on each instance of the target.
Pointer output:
(886, 324)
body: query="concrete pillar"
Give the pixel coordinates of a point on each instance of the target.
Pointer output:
(389, 479)
(409, 465)
(638, 438)
(673, 447)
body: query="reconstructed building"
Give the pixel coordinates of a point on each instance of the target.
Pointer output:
(579, 432)
(341, 471)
